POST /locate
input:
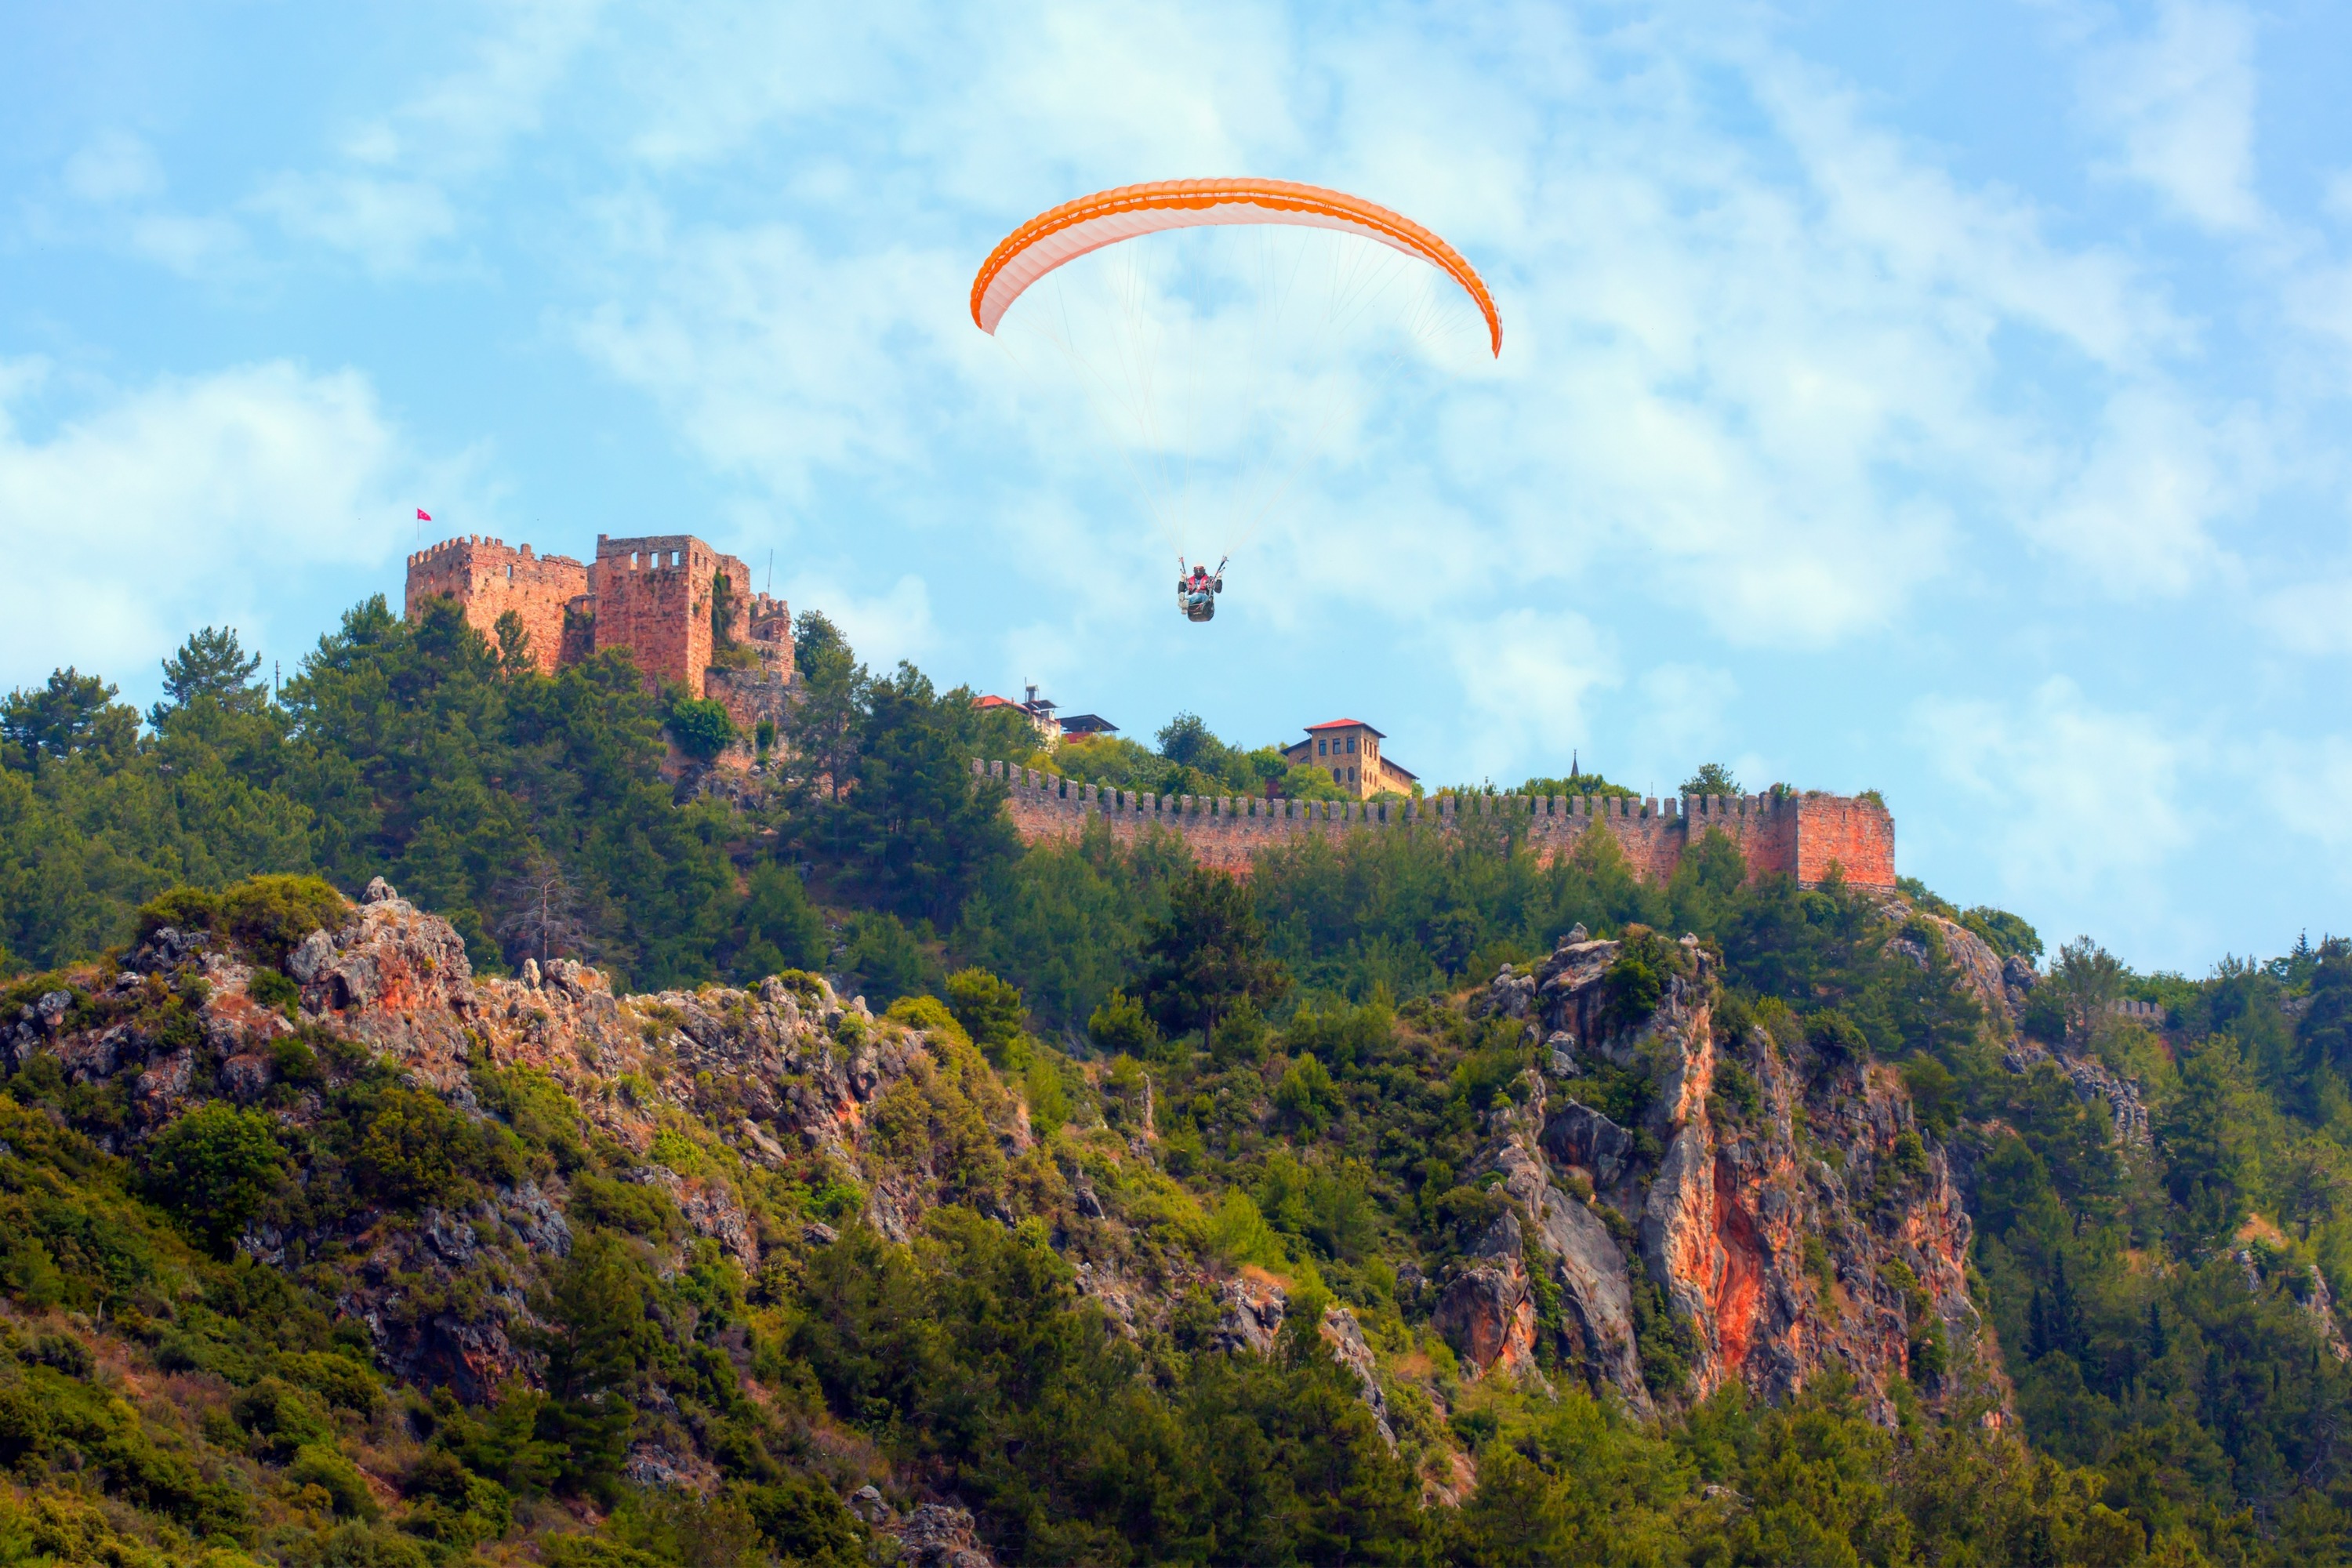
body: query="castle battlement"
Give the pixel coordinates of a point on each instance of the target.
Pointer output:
(489, 580)
(1801, 834)
(684, 612)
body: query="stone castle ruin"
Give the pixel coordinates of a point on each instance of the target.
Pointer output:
(1801, 834)
(684, 612)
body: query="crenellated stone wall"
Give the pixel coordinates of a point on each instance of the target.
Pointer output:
(684, 611)
(1800, 834)
(488, 578)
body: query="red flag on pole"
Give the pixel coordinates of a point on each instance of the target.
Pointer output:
(423, 516)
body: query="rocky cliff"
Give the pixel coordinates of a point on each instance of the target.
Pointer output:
(1678, 1200)
(1765, 1209)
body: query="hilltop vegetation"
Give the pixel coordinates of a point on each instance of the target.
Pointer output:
(1098, 1063)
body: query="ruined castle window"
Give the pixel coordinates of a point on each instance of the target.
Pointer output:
(672, 557)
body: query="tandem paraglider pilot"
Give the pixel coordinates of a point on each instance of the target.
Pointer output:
(1117, 218)
(1196, 595)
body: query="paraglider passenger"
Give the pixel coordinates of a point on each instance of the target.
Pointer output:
(1196, 593)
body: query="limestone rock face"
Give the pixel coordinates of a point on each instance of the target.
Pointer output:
(1348, 1348)
(932, 1536)
(1487, 1311)
(1249, 1314)
(1768, 1257)
(1585, 1261)
(773, 1066)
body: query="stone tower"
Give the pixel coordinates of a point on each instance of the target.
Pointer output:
(488, 579)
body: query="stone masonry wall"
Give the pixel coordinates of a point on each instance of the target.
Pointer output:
(1798, 833)
(652, 595)
(1855, 832)
(488, 579)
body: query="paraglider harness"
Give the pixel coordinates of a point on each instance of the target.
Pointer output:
(1196, 593)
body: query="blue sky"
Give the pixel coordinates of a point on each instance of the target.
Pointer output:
(1949, 399)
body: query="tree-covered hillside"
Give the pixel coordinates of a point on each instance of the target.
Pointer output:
(987, 1249)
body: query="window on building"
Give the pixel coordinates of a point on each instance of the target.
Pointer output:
(1351, 775)
(1322, 747)
(1335, 775)
(1351, 742)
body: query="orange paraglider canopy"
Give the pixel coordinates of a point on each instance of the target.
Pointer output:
(1089, 223)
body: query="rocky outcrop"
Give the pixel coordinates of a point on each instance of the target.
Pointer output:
(1773, 1255)
(1592, 1271)
(2093, 1081)
(933, 1535)
(2318, 1303)
(448, 1301)
(1487, 1312)
(1994, 984)
(1250, 1310)
(1345, 1336)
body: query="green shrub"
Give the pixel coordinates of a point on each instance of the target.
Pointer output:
(588, 1551)
(293, 1061)
(1307, 1096)
(265, 916)
(1637, 980)
(357, 1544)
(1120, 1024)
(1935, 1094)
(808, 987)
(701, 727)
(883, 962)
(989, 1009)
(283, 1419)
(413, 1149)
(801, 1520)
(213, 1168)
(272, 988)
(453, 1506)
(322, 1465)
(62, 1352)
(26, 1427)
(341, 1382)
(637, 1207)
(782, 930)
(676, 1150)
(541, 1111)
(1837, 1039)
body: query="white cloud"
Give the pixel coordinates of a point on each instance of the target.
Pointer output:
(396, 192)
(1685, 710)
(2300, 779)
(388, 224)
(771, 355)
(114, 167)
(2083, 802)
(191, 247)
(1751, 383)
(2138, 513)
(2311, 617)
(185, 502)
(2180, 103)
(1526, 680)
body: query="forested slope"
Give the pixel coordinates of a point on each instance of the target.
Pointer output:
(1365, 1210)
